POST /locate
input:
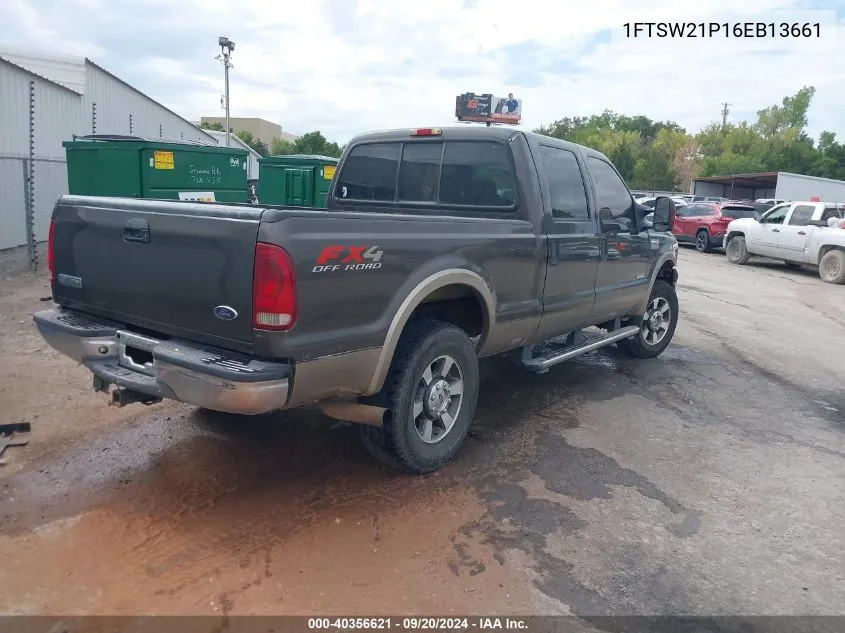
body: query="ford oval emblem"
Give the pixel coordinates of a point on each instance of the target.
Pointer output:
(225, 313)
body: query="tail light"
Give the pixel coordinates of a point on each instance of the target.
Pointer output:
(273, 289)
(50, 258)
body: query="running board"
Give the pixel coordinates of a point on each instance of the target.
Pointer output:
(541, 364)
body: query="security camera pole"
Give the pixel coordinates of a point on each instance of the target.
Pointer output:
(226, 48)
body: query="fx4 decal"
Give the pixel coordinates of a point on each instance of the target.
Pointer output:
(334, 258)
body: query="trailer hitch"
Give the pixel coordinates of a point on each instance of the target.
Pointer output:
(121, 396)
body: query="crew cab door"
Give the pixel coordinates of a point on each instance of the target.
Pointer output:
(764, 235)
(623, 274)
(792, 240)
(573, 243)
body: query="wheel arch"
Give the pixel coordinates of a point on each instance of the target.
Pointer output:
(445, 295)
(663, 269)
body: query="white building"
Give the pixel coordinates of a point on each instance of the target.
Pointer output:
(252, 165)
(779, 185)
(47, 99)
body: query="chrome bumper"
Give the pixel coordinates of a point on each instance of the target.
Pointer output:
(202, 376)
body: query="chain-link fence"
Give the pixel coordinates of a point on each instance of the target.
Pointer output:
(29, 189)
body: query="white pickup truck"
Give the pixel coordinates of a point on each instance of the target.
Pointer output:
(796, 232)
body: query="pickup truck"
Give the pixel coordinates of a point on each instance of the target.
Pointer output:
(796, 232)
(437, 247)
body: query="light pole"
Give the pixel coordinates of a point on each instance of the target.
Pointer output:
(226, 48)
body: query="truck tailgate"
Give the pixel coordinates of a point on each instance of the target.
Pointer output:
(160, 265)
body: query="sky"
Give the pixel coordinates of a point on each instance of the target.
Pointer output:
(346, 66)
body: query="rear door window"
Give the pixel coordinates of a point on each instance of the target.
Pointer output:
(477, 173)
(567, 194)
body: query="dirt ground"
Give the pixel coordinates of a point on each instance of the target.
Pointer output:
(708, 481)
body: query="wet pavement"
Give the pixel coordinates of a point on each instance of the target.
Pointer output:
(708, 481)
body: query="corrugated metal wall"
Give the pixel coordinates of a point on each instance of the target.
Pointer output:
(116, 101)
(59, 114)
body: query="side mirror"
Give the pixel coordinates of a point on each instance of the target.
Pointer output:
(664, 214)
(611, 224)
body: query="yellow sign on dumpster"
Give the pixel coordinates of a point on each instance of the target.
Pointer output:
(163, 160)
(328, 172)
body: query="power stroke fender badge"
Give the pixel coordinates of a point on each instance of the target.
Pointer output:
(225, 313)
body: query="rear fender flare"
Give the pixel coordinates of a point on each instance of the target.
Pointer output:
(415, 298)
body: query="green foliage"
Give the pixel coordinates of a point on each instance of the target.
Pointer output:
(256, 144)
(662, 155)
(217, 127)
(311, 143)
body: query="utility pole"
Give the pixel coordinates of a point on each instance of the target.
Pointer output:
(226, 48)
(725, 112)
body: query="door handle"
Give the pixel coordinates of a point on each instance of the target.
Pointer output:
(775, 230)
(802, 233)
(137, 230)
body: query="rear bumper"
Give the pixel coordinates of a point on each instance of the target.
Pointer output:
(194, 374)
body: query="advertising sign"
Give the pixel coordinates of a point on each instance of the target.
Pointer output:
(487, 108)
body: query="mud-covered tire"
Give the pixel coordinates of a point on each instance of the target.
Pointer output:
(400, 442)
(663, 298)
(736, 251)
(832, 267)
(702, 241)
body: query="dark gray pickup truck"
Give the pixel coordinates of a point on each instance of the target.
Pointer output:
(439, 246)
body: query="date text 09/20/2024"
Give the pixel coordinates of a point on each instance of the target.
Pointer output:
(418, 624)
(774, 30)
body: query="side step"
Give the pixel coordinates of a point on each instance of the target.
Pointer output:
(541, 364)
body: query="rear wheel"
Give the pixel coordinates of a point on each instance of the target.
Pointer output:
(832, 267)
(736, 251)
(702, 241)
(657, 325)
(431, 391)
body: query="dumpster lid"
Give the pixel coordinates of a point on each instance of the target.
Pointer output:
(326, 159)
(147, 139)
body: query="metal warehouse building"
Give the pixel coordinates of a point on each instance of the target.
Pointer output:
(779, 185)
(46, 99)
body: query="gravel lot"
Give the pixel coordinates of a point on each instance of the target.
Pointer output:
(708, 481)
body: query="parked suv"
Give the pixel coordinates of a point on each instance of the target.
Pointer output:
(704, 223)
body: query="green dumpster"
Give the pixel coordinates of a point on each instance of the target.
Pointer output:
(137, 167)
(301, 180)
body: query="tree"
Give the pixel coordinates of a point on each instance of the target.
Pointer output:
(279, 147)
(217, 127)
(254, 143)
(316, 143)
(662, 155)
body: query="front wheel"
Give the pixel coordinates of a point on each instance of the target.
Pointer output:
(431, 390)
(736, 250)
(702, 241)
(832, 267)
(657, 325)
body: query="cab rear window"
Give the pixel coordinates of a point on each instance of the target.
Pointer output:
(475, 174)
